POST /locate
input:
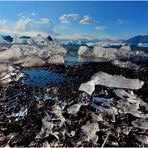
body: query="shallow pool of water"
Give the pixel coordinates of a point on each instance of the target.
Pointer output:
(43, 78)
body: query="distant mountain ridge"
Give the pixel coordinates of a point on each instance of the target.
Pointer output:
(137, 39)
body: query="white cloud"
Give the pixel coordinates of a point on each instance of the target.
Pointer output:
(27, 26)
(22, 23)
(101, 27)
(67, 18)
(20, 14)
(121, 21)
(4, 23)
(86, 20)
(33, 14)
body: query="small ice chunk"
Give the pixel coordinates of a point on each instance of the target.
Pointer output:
(9, 73)
(140, 123)
(84, 51)
(21, 113)
(96, 117)
(129, 95)
(88, 87)
(142, 138)
(115, 81)
(47, 98)
(125, 107)
(127, 64)
(74, 108)
(90, 130)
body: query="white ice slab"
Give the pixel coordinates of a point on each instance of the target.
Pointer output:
(115, 81)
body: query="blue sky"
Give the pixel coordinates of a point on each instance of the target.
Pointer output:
(74, 20)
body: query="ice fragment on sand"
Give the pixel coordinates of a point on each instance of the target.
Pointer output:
(22, 113)
(129, 95)
(127, 64)
(142, 138)
(103, 105)
(90, 130)
(116, 81)
(140, 123)
(125, 107)
(73, 109)
(97, 117)
(9, 73)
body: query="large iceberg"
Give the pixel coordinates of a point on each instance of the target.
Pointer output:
(38, 47)
(113, 81)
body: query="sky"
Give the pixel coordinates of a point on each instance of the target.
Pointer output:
(74, 20)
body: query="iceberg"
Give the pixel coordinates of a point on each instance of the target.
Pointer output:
(111, 54)
(105, 53)
(113, 81)
(38, 47)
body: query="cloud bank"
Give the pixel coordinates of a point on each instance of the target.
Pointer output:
(27, 26)
(86, 20)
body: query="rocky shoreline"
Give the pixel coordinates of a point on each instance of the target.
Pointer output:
(61, 115)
